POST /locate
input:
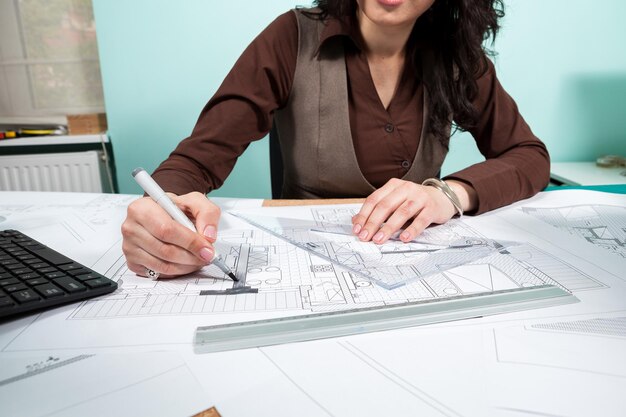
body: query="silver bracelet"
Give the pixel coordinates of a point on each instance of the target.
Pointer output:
(447, 191)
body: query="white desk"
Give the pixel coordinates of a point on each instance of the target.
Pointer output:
(586, 173)
(543, 362)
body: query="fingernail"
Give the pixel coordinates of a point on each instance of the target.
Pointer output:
(210, 232)
(379, 237)
(206, 254)
(405, 235)
(363, 235)
(356, 229)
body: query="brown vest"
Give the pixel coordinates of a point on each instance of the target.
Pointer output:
(314, 127)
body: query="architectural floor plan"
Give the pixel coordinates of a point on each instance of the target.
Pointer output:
(479, 366)
(600, 225)
(276, 276)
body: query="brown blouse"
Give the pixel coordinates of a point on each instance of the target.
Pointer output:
(517, 164)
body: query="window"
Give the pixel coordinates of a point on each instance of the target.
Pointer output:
(48, 58)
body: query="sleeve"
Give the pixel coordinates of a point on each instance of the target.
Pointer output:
(240, 112)
(517, 164)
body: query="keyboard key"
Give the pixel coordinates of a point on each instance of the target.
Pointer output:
(37, 281)
(79, 271)
(56, 274)
(9, 261)
(49, 290)
(27, 242)
(69, 284)
(8, 281)
(15, 266)
(98, 282)
(6, 302)
(26, 296)
(50, 256)
(70, 267)
(22, 271)
(39, 265)
(46, 270)
(15, 287)
(29, 262)
(87, 277)
(29, 275)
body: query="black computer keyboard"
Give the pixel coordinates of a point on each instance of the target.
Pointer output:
(34, 277)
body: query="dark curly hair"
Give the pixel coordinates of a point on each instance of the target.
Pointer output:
(456, 31)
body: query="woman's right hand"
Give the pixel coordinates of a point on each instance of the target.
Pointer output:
(153, 240)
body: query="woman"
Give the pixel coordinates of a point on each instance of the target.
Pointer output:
(362, 93)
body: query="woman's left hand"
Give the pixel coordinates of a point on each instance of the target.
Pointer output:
(401, 202)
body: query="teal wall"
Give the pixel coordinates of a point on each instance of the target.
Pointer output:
(161, 60)
(563, 61)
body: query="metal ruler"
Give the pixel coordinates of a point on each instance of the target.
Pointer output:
(350, 322)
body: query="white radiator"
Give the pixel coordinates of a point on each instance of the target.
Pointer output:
(74, 171)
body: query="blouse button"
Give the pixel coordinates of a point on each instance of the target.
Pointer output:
(406, 164)
(389, 128)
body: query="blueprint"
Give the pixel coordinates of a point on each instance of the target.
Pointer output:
(577, 360)
(327, 232)
(84, 225)
(278, 279)
(600, 225)
(99, 385)
(537, 362)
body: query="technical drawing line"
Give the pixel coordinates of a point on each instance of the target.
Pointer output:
(44, 369)
(383, 252)
(574, 254)
(230, 291)
(397, 239)
(600, 225)
(20, 332)
(85, 223)
(104, 254)
(541, 365)
(73, 232)
(598, 326)
(531, 412)
(386, 372)
(430, 250)
(296, 384)
(125, 387)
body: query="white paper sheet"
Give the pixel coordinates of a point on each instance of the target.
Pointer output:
(566, 367)
(435, 369)
(133, 384)
(290, 281)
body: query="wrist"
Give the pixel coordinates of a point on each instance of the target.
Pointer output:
(466, 194)
(447, 191)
